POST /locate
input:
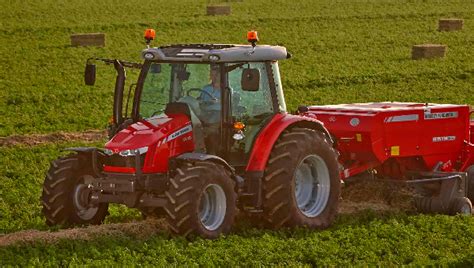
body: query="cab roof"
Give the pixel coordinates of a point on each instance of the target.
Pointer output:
(215, 53)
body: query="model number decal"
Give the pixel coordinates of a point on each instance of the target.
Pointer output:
(444, 138)
(431, 116)
(180, 132)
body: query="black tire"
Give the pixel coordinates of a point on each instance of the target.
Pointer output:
(62, 190)
(423, 204)
(461, 205)
(154, 213)
(186, 192)
(280, 206)
(470, 183)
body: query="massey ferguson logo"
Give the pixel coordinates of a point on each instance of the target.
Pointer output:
(180, 132)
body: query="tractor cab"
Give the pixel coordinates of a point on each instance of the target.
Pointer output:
(227, 93)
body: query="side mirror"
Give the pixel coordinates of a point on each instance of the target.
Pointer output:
(89, 74)
(250, 79)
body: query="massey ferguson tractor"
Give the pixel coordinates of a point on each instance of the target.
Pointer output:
(204, 132)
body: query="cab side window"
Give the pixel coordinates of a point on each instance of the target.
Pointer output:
(250, 104)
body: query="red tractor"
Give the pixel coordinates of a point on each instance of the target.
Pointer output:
(208, 133)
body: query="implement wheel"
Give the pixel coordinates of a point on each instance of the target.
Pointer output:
(461, 205)
(301, 183)
(201, 200)
(470, 183)
(65, 196)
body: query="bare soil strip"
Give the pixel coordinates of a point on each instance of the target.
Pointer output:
(38, 139)
(142, 229)
(369, 193)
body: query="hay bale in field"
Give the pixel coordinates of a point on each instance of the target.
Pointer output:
(449, 25)
(428, 51)
(218, 10)
(88, 39)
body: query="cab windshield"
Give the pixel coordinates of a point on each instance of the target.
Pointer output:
(172, 82)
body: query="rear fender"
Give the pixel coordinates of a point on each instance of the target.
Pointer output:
(268, 136)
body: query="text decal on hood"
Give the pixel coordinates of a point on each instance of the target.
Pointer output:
(179, 132)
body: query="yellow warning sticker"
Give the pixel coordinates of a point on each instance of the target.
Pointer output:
(395, 150)
(358, 137)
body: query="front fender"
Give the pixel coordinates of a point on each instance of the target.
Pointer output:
(90, 154)
(205, 157)
(268, 136)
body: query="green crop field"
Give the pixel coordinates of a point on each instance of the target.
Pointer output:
(343, 51)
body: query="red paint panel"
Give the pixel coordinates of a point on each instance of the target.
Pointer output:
(399, 131)
(119, 169)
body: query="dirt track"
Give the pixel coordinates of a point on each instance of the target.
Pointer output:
(38, 139)
(142, 229)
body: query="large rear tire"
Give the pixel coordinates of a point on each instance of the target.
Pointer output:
(301, 185)
(65, 195)
(201, 200)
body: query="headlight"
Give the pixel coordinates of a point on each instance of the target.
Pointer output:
(108, 152)
(134, 152)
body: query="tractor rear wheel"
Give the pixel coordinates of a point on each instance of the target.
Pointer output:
(65, 196)
(201, 200)
(301, 185)
(470, 183)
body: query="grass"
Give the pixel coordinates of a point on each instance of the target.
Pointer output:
(356, 52)
(367, 239)
(351, 51)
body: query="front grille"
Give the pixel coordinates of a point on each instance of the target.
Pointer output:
(117, 160)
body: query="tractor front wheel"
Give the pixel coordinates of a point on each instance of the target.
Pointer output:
(201, 200)
(65, 195)
(301, 185)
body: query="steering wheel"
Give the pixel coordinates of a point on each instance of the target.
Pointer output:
(201, 91)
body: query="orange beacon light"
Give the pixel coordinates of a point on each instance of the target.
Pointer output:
(149, 35)
(252, 37)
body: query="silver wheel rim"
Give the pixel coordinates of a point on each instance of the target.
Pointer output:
(312, 185)
(83, 211)
(212, 207)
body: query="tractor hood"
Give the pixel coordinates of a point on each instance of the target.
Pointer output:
(146, 132)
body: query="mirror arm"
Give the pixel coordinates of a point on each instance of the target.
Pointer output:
(118, 92)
